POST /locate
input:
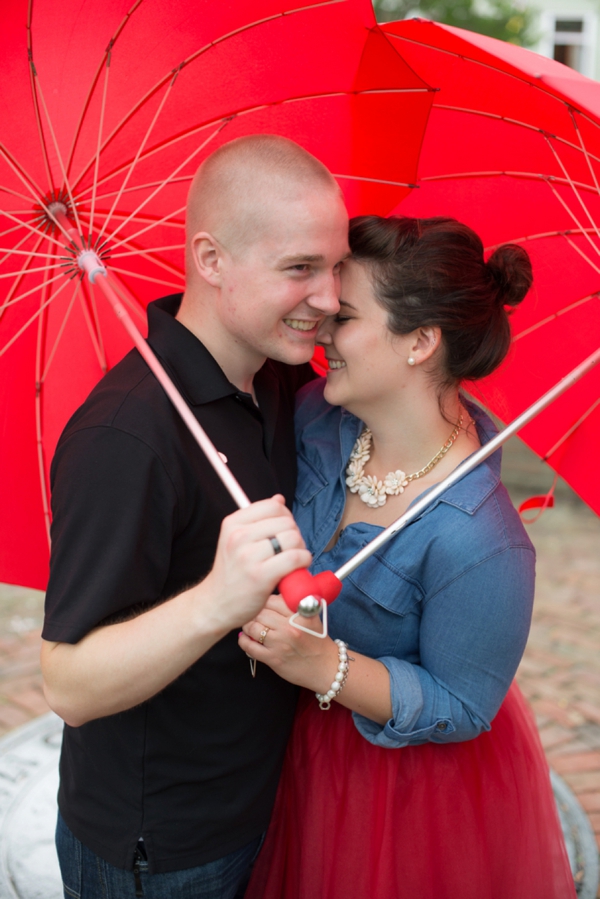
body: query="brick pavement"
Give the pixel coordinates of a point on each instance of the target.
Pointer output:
(559, 674)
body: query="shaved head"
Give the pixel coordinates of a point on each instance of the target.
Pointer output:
(237, 193)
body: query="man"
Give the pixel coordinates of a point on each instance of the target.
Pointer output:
(171, 750)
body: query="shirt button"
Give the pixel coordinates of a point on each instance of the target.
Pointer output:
(442, 725)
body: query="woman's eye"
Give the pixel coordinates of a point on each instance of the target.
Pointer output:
(340, 319)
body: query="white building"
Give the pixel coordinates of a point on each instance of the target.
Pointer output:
(569, 31)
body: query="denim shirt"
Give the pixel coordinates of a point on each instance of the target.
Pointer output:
(445, 605)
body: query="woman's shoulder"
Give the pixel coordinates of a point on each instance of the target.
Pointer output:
(310, 402)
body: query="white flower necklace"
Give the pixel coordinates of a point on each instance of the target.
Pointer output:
(371, 490)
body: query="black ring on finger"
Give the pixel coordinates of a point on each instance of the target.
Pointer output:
(276, 545)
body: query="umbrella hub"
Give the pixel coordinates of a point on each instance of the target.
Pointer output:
(52, 205)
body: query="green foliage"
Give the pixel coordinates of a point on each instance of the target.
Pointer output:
(497, 18)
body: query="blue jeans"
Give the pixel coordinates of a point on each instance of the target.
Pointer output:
(87, 876)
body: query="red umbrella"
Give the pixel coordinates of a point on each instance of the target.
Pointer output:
(106, 110)
(512, 148)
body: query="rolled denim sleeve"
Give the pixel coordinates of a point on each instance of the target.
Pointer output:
(473, 633)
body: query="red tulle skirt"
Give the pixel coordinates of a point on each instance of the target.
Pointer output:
(472, 820)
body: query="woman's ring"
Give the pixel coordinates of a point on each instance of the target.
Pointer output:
(276, 545)
(263, 634)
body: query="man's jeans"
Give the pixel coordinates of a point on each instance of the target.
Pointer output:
(86, 876)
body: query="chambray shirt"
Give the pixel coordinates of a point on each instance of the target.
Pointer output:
(445, 605)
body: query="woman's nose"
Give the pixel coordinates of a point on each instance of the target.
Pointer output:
(324, 331)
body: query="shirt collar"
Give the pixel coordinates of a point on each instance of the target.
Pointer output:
(196, 372)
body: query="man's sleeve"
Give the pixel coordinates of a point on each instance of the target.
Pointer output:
(114, 512)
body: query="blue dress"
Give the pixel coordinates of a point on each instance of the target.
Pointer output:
(450, 798)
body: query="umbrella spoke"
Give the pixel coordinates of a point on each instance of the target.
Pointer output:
(100, 127)
(30, 271)
(533, 176)
(38, 405)
(172, 75)
(148, 184)
(136, 158)
(574, 188)
(14, 193)
(150, 278)
(58, 156)
(8, 298)
(554, 316)
(61, 330)
(17, 252)
(13, 302)
(38, 231)
(581, 253)
(165, 220)
(135, 252)
(571, 430)
(36, 107)
(164, 183)
(23, 176)
(584, 148)
(577, 222)
(35, 315)
(374, 180)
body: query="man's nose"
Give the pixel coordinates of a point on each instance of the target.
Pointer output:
(326, 299)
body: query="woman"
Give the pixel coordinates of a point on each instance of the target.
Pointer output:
(416, 770)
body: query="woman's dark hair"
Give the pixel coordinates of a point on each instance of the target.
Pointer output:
(431, 272)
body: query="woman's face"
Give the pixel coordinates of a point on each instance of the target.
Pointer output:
(367, 363)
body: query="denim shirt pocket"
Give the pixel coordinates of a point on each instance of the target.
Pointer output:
(310, 481)
(388, 611)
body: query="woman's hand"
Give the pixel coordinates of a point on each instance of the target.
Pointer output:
(293, 655)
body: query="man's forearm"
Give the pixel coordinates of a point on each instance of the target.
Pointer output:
(116, 667)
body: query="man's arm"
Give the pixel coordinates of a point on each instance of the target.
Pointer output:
(118, 666)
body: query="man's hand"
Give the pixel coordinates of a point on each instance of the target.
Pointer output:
(246, 568)
(115, 667)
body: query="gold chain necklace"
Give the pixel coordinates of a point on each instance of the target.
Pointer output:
(371, 490)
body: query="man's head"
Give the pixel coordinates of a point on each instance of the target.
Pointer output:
(266, 232)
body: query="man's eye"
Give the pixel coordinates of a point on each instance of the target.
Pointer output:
(301, 267)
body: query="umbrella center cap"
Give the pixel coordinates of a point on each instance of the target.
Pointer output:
(56, 207)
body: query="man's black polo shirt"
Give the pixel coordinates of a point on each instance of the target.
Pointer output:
(136, 516)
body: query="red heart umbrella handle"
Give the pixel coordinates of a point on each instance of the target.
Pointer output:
(300, 584)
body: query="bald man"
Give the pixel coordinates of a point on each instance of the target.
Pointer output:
(171, 750)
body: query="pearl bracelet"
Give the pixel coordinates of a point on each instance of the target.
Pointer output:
(340, 678)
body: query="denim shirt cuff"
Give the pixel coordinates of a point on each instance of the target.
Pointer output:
(408, 701)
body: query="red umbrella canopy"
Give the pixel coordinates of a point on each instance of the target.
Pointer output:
(106, 110)
(512, 148)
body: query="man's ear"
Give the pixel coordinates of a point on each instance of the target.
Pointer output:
(207, 257)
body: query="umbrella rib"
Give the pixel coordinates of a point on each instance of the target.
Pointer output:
(123, 271)
(13, 302)
(374, 180)
(521, 78)
(58, 155)
(186, 62)
(31, 271)
(33, 317)
(22, 175)
(90, 326)
(8, 301)
(574, 189)
(105, 59)
(100, 127)
(61, 330)
(501, 118)
(135, 187)
(584, 148)
(581, 253)
(224, 123)
(135, 252)
(17, 252)
(532, 176)
(554, 316)
(571, 430)
(153, 224)
(14, 193)
(575, 219)
(38, 407)
(136, 158)
(36, 108)
(36, 231)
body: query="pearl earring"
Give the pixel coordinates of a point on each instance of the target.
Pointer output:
(411, 361)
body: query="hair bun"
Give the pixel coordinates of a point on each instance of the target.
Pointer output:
(510, 267)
